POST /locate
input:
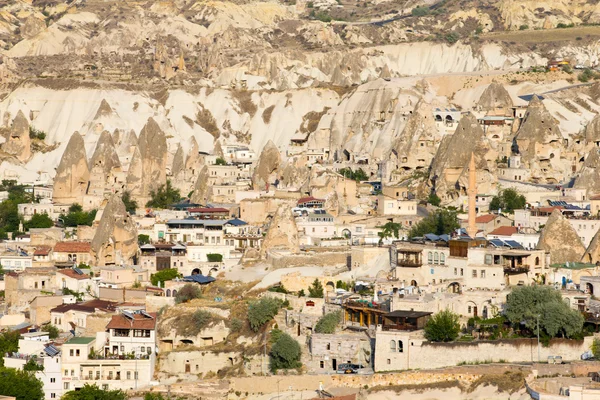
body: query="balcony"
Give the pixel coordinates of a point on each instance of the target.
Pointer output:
(516, 269)
(408, 263)
(399, 327)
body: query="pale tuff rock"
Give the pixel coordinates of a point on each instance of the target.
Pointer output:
(560, 239)
(592, 253)
(495, 97)
(295, 175)
(201, 188)
(449, 169)
(385, 74)
(135, 172)
(104, 110)
(268, 163)
(72, 174)
(185, 170)
(332, 204)
(152, 146)
(105, 167)
(178, 167)
(18, 143)
(32, 26)
(218, 150)
(115, 241)
(592, 132)
(589, 176)
(540, 143)
(283, 232)
(419, 140)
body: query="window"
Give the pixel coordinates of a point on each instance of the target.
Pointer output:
(135, 375)
(72, 372)
(52, 380)
(97, 375)
(537, 261)
(52, 395)
(455, 271)
(128, 375)
(122, 332)
(77, 352)
(328, 346)
(71, 352)
(488, 259)
(90, 375)
(149, 350)
(141, 333)
(66, 372)
(322, 364)
(442, 258)
(392, 346)
(389, 361)
(110, 374)
(436, 257)
(66, 385)
(429, 257)
(461, 272)
(105, 386)
(469, 310)
(483, 273)
(474, 273)
(400, 346)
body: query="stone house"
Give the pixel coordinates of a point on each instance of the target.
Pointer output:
(158, 256)
(318, 224)
(488, 222)
(131, 332)
(67, 317)
(73, 279)
(393, 206)
(71, 253)
(42, 256)
(121, 277)
(21, 288)
(328, 351)
(40, 306)
(15, 262)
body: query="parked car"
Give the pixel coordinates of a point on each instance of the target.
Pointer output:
(579, 66)
(348, 368)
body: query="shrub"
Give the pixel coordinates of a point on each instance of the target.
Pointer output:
(235, 325)
(52, 330)
(220, 161)
(187, 293)
(201, 319)
(214, 257)
(451, 38)
(36, 133)
(130, 204)
(523, 27)
(164, 275)
(285, 353)
(328, 322)
(442, 327)
(164, 196)
(316, 289)
(434, 200)
(419, 11)
(262, 311)
(143, 239)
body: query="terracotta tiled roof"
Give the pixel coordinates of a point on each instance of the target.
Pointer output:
(309, 199)
(139, 322)
(72, 274)
(88, 306)
(72, 247)
(42, 251)
(484, 219)
(504, 231)
(595, 197)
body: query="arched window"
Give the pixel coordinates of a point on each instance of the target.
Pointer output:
(400, 346)
(168, 292)
(392, 346)
(429, 257)
(436, 258)
(537, 261)
(442, 258)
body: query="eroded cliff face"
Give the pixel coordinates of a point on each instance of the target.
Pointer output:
(72, 174)
(560, 239)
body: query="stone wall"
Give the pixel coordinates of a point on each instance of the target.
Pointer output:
(281, 260)
(155, 303)
(196, 362)
(418, 353)
(129, 295)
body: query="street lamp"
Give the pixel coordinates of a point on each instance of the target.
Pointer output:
(537, 318)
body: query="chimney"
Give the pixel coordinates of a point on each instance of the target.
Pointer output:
(472, 193)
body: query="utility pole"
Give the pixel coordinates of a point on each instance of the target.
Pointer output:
(537, 317)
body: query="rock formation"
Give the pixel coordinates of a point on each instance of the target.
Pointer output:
(495, 98)
(201, 188)
(592, 253)
(178, 168)
(592, 132)
(152, 146)
(105, 168)
(18, 143)
(589, 176)
(115, 240)
(283, 232)
(104, 109)
(560, 239)
(72, 174)
(540, 144)
(268, 162)
(449, 169)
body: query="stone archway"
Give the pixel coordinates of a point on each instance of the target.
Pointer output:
(196, 271)
(454, 287)
(330, 287)
(589, 288)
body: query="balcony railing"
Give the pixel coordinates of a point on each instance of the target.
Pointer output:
(399, 327)
(409, 263)
(517, 269)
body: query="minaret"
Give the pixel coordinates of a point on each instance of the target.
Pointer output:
(472, 193)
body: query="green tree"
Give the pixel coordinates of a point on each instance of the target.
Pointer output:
(93, 392)
(9, 208)
(143, 239)
(77, 216)
(23, 385)
(32, 366)
(328, 322)
(390, 229)
(530, 304)
(39, 221)
(164, 275)
(596, 348)
(164, 196)
(214, 257)
(508, 200)
(285, 353)
(189, 292)
(439, 222)
(220, 161)
(52, 330)
(442, 327)
(262, 311)
(434, 200)
(130, 204)
(9, 343)
(316, 289)
(358, 175)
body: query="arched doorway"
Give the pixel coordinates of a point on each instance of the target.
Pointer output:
(346, 233)
(589, 288)
(484, 312)
(196, 271)
(174, 292)
(454, 287)
(330, 286)
(168, 292)
(413, 283)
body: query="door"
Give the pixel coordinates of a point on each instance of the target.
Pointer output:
(334, 364)
(475, 311)
(187, 368)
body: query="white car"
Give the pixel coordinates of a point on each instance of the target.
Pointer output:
(579, 66)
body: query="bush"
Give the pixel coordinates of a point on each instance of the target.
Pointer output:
(235, 325)
(164, 196)
(188, 292)
(36, 133)
(214, 257)
(220, 161)
(328, 322)
(88, 392)
(434, 200)
(201, 319)
(508, 200)
(39, 221)
(285, 353)
(143, 239)
(439, 222)
(523, 27)
(77, 216)
(452, 38)
(420, 11)
(586, 75)
(164, 275)
(322, 16)
(130, 204)
(52, 331)
(442, 327)
(358, 175)
(22, 385)
(262, 311)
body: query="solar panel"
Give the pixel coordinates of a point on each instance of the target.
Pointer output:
(514, 244)
(444, 237)
(128, 314)
(51, 350)
(78, 271)
(145, 314)
(497, 242)
(431, 236)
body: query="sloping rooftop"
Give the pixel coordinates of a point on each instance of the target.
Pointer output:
(139, 321)
(407, 314)
(72, 247)
(484, 219)
(504, 231)
(73, 274)
(201, 279)
(80, 340)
